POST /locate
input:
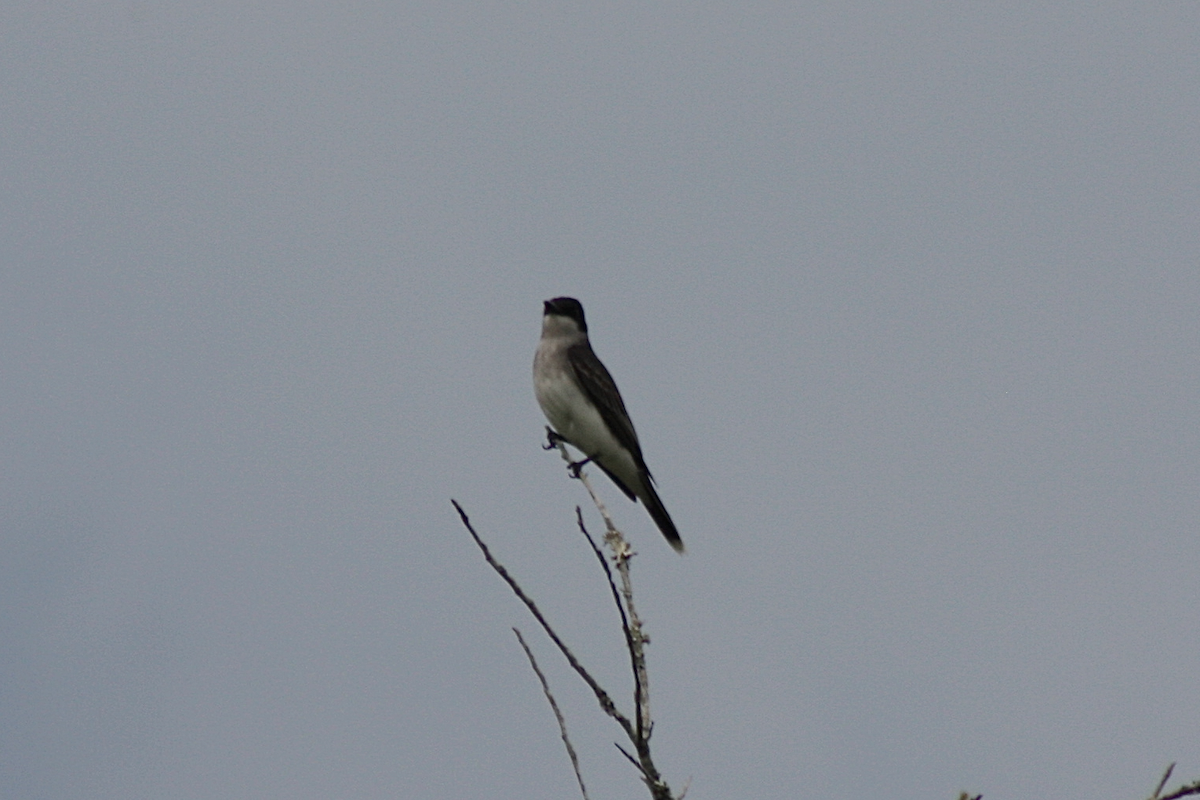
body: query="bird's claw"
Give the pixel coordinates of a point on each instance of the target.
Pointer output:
(552, 439)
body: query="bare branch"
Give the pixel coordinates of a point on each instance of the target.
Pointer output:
(1183, 791)
(622, 555)
(638, 691)
(632, 759)
(636, 640)
(602, 696)
(640, 730)
(1192, 788)
(1166, 777)
(562, 723)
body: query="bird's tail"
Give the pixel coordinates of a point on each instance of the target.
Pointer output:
(659, 514)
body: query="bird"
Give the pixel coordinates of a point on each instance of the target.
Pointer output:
(581, 401)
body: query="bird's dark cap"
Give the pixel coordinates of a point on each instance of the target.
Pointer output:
(566, 307)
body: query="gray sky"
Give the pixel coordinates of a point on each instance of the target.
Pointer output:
(903, 299)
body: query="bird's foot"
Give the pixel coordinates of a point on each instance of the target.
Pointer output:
(553, 438)
(575, 466)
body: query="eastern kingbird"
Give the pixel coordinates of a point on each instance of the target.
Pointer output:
(585, 409)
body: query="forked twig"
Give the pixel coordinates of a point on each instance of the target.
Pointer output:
(638, 691)
(640, 730)
(1183, 791)
(1190, 789)
(636, 640)
(602, 696)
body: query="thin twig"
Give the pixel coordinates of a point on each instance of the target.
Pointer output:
(638, 691)
(562, 723)
(659, 790)
(1192, 788)
(632, 760)
(602, 696)
(1183, 791)
(622, 554)
(636, 639)
(1166, 777)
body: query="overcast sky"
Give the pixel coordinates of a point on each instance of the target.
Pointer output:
(904, 299)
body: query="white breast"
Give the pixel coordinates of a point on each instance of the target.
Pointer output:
(572, 415)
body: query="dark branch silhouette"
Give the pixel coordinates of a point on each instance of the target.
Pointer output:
(629, 641)
(605, 701)
(641, 727)
(1192, 788)
(562, 723)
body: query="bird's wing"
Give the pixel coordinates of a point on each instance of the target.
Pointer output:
(599, 386)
